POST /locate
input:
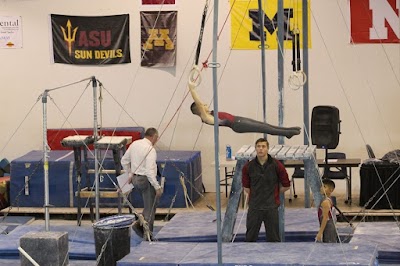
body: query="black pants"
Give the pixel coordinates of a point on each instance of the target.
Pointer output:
(244, 124)
(254, 220)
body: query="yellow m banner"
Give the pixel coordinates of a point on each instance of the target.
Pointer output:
(245, 25)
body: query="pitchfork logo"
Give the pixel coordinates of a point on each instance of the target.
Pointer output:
(69, 35)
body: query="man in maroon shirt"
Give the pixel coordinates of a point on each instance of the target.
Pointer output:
(263, 178)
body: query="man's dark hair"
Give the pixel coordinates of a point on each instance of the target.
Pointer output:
(193, 106)
(328, 182)
(262, 140)
(150, 132)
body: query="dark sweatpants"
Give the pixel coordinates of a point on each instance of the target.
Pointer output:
(150, 202)
(254, 220)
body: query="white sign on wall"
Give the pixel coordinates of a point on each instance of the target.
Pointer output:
(10, 32)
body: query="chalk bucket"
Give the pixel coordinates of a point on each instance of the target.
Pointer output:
(112, 238)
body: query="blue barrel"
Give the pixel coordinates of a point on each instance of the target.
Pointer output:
(114, 233)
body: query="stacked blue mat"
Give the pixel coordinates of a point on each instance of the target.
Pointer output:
(386, 235)
(190, 239)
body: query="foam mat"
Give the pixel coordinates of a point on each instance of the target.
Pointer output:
(161, 253)
(190, 239)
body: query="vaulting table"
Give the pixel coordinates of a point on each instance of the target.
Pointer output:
(117, 144)
(79, 143)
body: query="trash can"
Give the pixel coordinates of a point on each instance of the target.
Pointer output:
(112, 238)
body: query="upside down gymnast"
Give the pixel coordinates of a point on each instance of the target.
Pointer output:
(236, 123)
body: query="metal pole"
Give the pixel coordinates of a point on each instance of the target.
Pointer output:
(31, 260)
(281, 69)
(96, 161)
(216, 132)
(306, 107)
(262, 39)
(281, 139)
(45, 162)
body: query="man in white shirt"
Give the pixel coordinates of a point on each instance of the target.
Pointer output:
(139, 162)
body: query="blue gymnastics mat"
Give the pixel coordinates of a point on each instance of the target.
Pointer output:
(162, 253)
(190, 239)
(80, 241)
(385, 235)
(301, 225)
(9, 223)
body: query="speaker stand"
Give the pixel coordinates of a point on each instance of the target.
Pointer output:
(326, 163)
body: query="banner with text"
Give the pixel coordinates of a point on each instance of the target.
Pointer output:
(90, 40)
(158, 38)
(375, 21)
(10, 32)
(245, 24)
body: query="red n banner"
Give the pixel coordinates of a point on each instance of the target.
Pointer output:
(375, 21)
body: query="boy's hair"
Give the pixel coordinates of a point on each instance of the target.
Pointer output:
(262, 140)
(328, 182)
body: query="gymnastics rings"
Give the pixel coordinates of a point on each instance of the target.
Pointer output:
(194, 76)
(297, 79)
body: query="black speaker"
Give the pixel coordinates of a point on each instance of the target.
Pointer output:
(325, 127)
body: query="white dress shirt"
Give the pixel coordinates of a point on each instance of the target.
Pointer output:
(140, 159)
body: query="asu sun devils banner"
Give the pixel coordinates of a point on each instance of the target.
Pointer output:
(375, 21)
(90, 40)
(245, 24)
(158, 38)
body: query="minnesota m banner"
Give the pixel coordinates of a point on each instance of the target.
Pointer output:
(90, 40)
(245, 24)
(158, 42)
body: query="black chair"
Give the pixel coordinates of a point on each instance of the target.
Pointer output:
(371, 153)
(337, 172)
(228, 175)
